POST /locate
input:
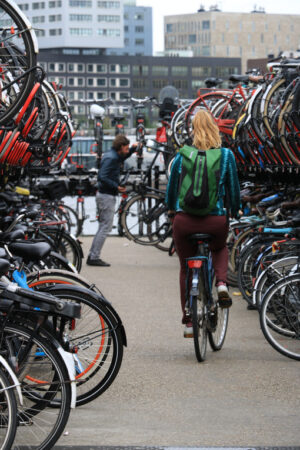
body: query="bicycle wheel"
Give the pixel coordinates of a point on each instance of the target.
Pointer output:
(18, 55)
(97, 336)
(199, 321)
(8, 413)
(44, 378)
(279, 316)
(145, 219)
(66, 245)
(218, 321)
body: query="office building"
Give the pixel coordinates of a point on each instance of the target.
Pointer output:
(247, 36)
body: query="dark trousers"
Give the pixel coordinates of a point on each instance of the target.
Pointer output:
(186, 224)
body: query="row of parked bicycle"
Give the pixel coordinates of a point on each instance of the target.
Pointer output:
(61, 341)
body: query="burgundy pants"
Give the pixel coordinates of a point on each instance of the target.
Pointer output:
(186, 224)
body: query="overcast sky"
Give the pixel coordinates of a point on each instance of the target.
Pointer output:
(163, 8)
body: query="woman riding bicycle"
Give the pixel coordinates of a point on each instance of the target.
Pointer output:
(206, 136)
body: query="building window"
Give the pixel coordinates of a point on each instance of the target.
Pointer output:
(139, 29)
(80, 95)
(40, 33)
(159, 84)
(80, 67)
(205, 25)
(90, 68)
(81, 3)
(139, 42)
(108, 4)
(113, 82)
(160, 70)
(112, 68)
(61, 67)
(124, 95)
(81, 31)
(139, 16)
(100, 95)
(38, 5)
(71, 81)
(192, 39)
(81, 17)
(101, 68)
(109, 32)
(179, 71)
(80, 81)
(124, 68)
(55, 4)
(126, 28)
(51, 67)
(124, 82)
(90, 95)
(201, 71)
(55, 32)
(140, 70)
(140, 83)
(101, 81)
(90, 82)
(71, 95)
(90, 51)
(71, 67)
(71, 51)
(24, 7)
(180, 84)
(206, 50)
(55, 18)
(38, 19)
(169, 28)
(109, 18)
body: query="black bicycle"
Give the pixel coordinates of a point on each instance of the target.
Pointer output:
(208, 319)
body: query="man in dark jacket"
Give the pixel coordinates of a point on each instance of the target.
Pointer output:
(108, 189)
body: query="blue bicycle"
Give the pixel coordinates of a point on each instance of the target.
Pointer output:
(208, 319)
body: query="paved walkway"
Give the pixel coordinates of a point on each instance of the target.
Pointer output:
(246, 395)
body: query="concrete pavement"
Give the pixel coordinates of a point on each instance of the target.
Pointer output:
(246, 395)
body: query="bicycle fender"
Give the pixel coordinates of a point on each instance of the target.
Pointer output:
(97, 297)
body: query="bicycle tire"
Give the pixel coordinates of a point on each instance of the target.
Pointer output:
(139, 222)
(41, 426)
(98, 339)
(281, 306)
(8, 413)
(199, 321)
(275, 271)
(51, 277)
(220, 319)
(26, 56)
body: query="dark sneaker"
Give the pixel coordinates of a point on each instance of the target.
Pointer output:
(97, 262)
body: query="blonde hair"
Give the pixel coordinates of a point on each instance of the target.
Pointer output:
(206, 131)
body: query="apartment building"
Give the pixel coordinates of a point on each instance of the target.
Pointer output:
(137, 31)
(91, 24)
(247, 36)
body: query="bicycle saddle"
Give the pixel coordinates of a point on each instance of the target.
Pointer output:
(11, 236)
(29, 250)
(200, 237)
(239, 78)
(4, 266)
(212, 82)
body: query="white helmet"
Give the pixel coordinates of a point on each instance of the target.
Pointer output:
(96, 111)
